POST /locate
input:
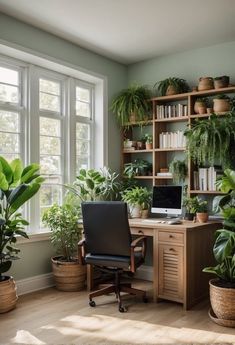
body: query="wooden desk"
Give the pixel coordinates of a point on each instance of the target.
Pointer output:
(180, 252)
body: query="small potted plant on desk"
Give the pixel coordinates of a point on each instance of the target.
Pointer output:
(69, 275)
(190, 207)
(136, 198)
(202, 211)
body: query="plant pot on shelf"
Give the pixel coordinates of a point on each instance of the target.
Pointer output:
(221, 105)
(202, 217)
(222, 297)
(68, 276)
(8, 296)
(221, 82)
(149, 146)
(171, 90)
(198, 105)
(205, 83)
(202, 109)
(140, 145)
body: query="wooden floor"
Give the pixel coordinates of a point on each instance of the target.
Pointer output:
(62, 318)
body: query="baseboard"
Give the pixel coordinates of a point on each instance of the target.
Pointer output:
(34, 283)
(145, 273)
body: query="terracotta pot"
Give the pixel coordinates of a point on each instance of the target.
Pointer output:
(205, 83)
(202, 217)
(149, 146)
(221, 82)
(221, 105)
(222, 300)
(171, 91)
(202, 109)
(68, 276)
(8, 296)
(197, 105)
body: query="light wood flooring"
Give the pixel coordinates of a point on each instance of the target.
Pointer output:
(51, 317)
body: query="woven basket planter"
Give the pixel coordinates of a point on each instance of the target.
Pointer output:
(222, 300)
(68, 276)
(8, 296)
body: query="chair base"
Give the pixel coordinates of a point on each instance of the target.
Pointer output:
(117, 289)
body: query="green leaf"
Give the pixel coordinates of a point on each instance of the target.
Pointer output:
(3, 182)
(5, 266)
(17, 169)
(15, 193)
(5, 168)
(28, 193)
(224, 244)
(28, 172)
(90, 183)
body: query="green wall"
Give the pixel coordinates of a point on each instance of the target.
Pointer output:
(35, 257)
(211, 61)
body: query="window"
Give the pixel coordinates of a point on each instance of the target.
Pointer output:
(46, 117)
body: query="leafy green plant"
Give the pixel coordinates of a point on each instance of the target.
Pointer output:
(148, 138)
(139, 167)
(211, 139)
(193, 205)
(134, 99)
(222, 96)
(180, 85)
(17, 186)
(137, 196)
(93, 185)
(63, 223)
(203, 100)
(179, 170)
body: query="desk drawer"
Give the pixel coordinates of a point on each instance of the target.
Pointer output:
(172, 237)
(141, 231)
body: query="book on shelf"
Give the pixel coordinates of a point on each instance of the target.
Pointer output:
(172, 140)
(129, 149)
(171, 111)
(205, 178)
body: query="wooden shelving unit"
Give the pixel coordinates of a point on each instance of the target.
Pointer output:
(161, 157)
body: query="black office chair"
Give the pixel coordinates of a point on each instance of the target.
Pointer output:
(108, 245)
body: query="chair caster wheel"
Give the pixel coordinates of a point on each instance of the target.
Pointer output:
(92, 304)
(122, 309)
(145, 299)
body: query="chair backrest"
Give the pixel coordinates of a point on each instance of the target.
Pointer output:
(106, 228)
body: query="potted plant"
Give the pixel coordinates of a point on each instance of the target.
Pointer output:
(69, 275)
(200, 105)
(190, 207)
(205, 83)
(202, 211)
(139, 167)
(136, 198)
(222, 289)
(17, 186)
(221, 103)
(148, 138)
(172, 86)
(179, 170)
(133, 101)
(210, 141)
(220, 82)
(146, 198)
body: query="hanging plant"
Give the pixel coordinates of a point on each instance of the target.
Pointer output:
(179, 170)
(210, 140)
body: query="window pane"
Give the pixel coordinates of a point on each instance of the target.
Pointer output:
(49, 195)
(9, 121)
(49, 126)
(82, 147)
(82, 163)
(49, 86)
(9, 143)
(9, 93)
(49, 102)
(83, 109)
(50, 165)
(49, 145)
(9, 76)
(82, 94)
(82, 131)
(9, 157)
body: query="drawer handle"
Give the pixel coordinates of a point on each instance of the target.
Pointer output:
(171, 236)
(172, 249)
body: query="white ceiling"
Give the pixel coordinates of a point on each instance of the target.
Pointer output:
(131, 30)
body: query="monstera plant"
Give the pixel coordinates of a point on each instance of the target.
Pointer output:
(17, 186)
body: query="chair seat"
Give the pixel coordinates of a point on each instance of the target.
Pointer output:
(113, 260)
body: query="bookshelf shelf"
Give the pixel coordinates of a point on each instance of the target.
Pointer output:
(171, 115)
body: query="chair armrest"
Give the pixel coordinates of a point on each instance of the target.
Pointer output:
(81, 251)
(134, 243)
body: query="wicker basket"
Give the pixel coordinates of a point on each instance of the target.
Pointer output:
(68, 276)
(222, 300)
(8, 296)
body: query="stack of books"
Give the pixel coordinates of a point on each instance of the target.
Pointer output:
(205, 178)
(172, 140)
(170, 111)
